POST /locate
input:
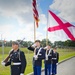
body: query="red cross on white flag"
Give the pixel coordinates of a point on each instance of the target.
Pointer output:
(60, 27)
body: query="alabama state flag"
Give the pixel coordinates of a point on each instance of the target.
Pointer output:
(61, 29)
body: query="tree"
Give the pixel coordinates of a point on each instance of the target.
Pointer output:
(43, 42)
(69, 43)
(59, 44)
(27, 43)
(0, 43)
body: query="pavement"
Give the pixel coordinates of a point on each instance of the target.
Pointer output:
(66, 68)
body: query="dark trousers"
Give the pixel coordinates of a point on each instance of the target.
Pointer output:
(54, 68)
(15, 70)
(37, 70)
(47, 69)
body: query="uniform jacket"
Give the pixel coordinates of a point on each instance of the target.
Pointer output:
(49, 57)
(41, 56)
(55, 57)
(16, 57)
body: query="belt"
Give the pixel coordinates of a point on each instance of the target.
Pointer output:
(54, 58)
(18, 63)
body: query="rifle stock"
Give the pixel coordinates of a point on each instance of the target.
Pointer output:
(6, 59)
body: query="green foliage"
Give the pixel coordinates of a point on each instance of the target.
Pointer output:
(43, 42)
(60, 44)
(64, 53)
(67, 43)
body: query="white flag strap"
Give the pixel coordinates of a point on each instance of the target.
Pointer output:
(34, 51)
(49, 52)
(39, 51)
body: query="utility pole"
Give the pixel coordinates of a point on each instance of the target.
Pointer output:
(2, 47)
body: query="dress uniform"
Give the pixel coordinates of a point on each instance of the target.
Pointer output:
(55, 59)
(37, 62)
(48, 59)
(37, 59)
(17, 62)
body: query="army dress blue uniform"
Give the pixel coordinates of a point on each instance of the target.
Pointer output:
(17, 62)
(37, 64)
(55, 59)
(48, 60)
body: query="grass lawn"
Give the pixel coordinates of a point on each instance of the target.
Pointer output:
(64, 53)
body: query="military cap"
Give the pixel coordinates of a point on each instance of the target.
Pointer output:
(15, 43)
(37, 41)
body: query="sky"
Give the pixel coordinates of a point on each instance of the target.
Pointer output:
(17, 22)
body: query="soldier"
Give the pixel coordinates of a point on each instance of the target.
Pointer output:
(55, 59)
(48, 59)
(17, 60)
(39, 54)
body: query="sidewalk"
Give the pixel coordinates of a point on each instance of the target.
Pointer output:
(58, 64)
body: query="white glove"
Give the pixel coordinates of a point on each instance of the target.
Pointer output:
(40, 54)
(34, 45)
(56, 63)
(36, 57)
(46, 47)
(3, 63)
(21, 74)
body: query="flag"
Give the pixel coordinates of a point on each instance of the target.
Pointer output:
(35, 12)
(60, 27)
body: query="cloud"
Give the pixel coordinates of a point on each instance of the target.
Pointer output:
(15, 6)
(6, 31)
(10, 33)
(21, 12)
(43, 19)
(66, 9)
(19, 9)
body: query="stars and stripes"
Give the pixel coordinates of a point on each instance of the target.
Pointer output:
(35, 12)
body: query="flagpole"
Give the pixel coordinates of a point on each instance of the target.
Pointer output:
(47, 32)
(34, 31)
(2, 47)
(47, 36)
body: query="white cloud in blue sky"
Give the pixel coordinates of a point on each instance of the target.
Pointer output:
(66, 9)
(16, 17)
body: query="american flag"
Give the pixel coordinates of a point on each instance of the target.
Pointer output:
(35, 12)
